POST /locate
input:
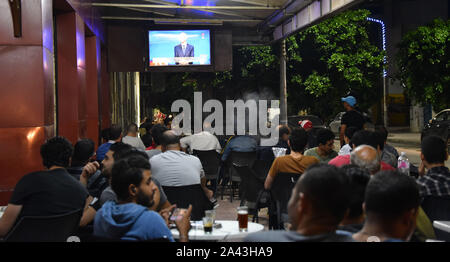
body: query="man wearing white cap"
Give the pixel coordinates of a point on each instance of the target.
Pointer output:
(350, 118)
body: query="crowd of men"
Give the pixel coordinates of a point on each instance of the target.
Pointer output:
(350, 195)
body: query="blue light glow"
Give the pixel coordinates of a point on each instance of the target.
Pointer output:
(383, 34)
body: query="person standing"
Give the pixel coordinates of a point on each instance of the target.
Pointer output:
(350, 118)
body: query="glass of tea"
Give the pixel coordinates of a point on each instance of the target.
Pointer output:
(208, 225)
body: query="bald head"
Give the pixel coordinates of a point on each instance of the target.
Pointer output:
(366, 157)
(170, 141)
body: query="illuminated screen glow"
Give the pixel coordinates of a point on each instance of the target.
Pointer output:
(179, 47)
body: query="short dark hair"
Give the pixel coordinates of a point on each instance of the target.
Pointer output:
(379, 136)
(115, 132)
(434, 149)
(298, 139)
(147, 139)
(359, 177)
(328, 188)
(56, 151)
(83, 150)
(133, 128)
(390, 193)
(350, 131)
(324, 135)
(157, 131)
(105, 133)
(126, 172)
(383, 131)
(284, 130)
(119, 149)
(364, 137)
(169, 138)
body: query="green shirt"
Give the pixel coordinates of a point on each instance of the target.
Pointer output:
(322, 159)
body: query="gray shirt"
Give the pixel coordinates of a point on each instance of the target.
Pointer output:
(134, 141)
(153, 152)
(176, 168)
(292, 236)
(108, 194)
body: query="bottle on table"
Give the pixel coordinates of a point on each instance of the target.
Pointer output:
(403, 163)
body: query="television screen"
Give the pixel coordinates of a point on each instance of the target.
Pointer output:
(179, 47)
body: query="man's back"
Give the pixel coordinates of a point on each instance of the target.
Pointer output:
(201, 141)
(129, 222)
(176, 168)
(134, 141)
(353, 118)
(46, 193)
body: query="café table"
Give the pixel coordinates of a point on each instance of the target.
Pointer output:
(229, 230)
(442, 225)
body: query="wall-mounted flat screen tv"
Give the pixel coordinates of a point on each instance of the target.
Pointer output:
(179, 47)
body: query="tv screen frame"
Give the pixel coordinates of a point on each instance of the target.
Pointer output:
(180, 68)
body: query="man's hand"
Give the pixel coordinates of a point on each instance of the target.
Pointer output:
(184, 224)
(88, 170)
(209, 193)
(165, 213)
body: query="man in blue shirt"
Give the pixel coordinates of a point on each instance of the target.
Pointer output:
(239, 144)
(115, 135)
(130, 218)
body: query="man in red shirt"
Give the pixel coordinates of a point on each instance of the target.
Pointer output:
(362, 137)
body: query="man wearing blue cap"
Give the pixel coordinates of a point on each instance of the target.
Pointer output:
(350, 118)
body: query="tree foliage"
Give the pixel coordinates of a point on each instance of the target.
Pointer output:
(332, 59)
(423, 63)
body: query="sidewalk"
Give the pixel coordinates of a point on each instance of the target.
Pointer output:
(404, 138)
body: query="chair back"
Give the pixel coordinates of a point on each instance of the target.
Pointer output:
(251, 185)
(182, 196)
(282, 189)
(210, 161)
(57, 228)
(240, 159)
(262, 167)
(437, 208)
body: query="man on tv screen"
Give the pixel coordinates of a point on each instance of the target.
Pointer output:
(184, 50)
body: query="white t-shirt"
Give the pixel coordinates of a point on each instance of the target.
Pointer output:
(201, 141)
(345, 150)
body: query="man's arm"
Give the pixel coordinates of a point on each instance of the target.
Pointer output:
(268, 183)
(341, 134)
(9, 218)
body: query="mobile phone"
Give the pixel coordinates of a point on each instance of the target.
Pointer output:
(177, 214)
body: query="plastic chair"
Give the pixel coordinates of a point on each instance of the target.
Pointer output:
(57, 228)
(251, 185)
(238, 159)
(210, 161)
(281, 193)
(437, 208)
(182, 196)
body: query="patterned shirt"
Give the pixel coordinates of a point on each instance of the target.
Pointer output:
(436, 182)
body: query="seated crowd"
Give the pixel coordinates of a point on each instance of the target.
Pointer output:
(354, 195)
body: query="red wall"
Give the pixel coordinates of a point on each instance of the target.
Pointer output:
(26, 77)
(28, 82)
